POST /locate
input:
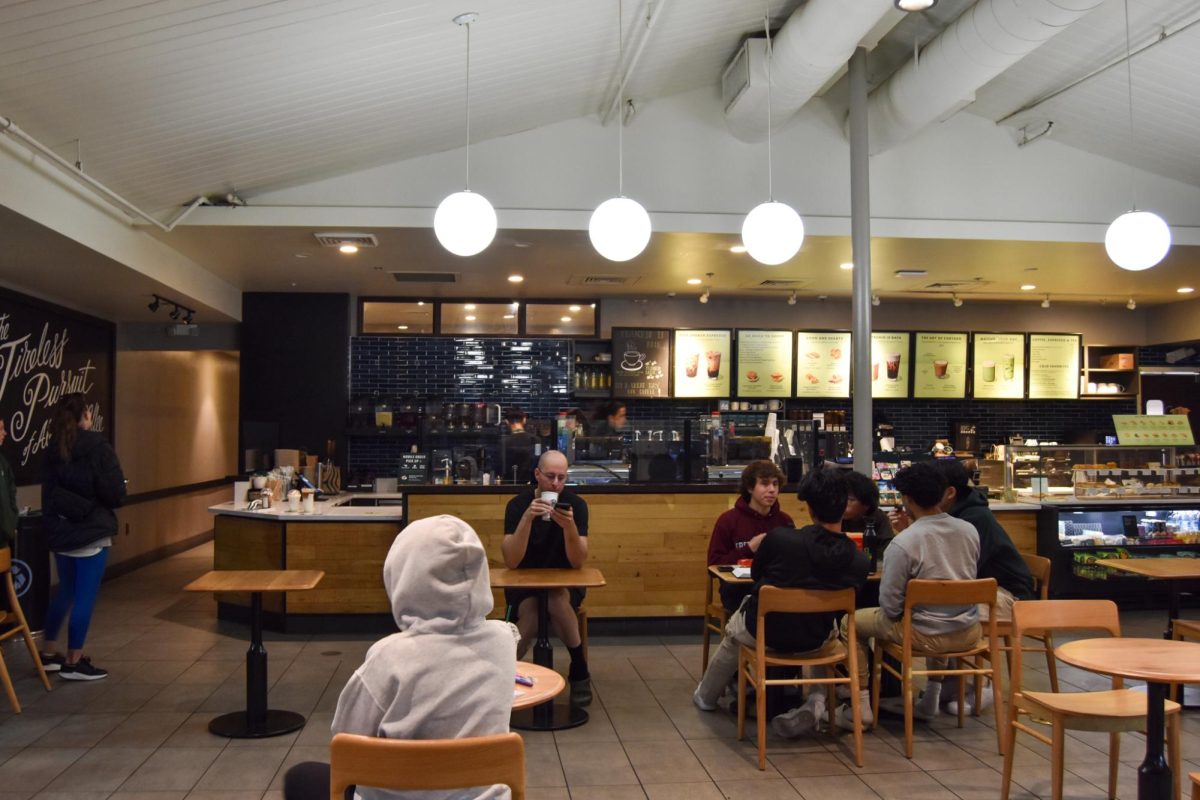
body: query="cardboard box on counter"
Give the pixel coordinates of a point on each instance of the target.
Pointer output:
(1116, 361)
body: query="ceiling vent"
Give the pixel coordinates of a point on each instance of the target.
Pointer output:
(603, 280)
(425, 277)
(780, 283)
(951, 286)
(359, 240)
(736, 78)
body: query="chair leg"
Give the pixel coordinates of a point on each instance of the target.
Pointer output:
(8, 686)
(1001, 715)
(856, 712)
(1175, 755)
(704, 650)
(1051, 663)
(906, 689)
(741, 728)
(760, 703)
(876, 680)
(1006, 780)
(1058, 745)
(17, 612)
(1114, 763)
(962, 697)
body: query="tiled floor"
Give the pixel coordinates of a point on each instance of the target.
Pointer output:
(141, 735)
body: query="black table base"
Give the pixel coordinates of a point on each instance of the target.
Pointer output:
(237, 725)
(1154, 776)
(548, 716)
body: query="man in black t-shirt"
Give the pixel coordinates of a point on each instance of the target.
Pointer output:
(560, 542)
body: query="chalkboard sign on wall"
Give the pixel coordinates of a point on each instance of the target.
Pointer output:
(47, 351)
(641, 362)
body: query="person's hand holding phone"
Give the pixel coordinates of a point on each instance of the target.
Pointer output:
(563, 514)
(899, 519)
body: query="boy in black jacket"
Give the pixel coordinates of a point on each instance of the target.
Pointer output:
(817, 556)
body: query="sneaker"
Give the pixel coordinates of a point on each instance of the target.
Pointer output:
(52, 662)
(799, 721)
(701, 703)
(581, 692)
(81, 671)
(952, 706)
(844, 716)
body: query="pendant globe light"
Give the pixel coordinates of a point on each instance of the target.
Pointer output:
(772, 232)
(1136, 240)
(465, 222)
(620, 227)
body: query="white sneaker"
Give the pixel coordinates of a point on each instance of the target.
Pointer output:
(952, 706)
(844, 717)
(799, 721)
(701, 703)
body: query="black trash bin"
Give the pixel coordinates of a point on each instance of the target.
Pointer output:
(31, 571)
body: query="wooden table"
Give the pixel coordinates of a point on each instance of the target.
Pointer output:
(1172, 570)
(547, 684)
(547, 716)
(1158, 663)
(257, 721)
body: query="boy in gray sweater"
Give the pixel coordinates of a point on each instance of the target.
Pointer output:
(935, 547)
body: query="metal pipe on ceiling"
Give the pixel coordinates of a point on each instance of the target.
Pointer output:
(626, 72)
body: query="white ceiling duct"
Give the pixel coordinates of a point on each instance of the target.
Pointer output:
(816, 41)
(987, 39)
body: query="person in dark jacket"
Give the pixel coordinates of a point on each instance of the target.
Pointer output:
(816, 556)
(8, 497)
(738, 532)
(83, 485)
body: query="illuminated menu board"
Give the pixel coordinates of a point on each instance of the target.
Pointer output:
(1163, 429)
(999, 366)
(703, 363)
(764, 360)
(1054, 366)
(889, 364)
(940, 366)
(823, 364)
(642, 359)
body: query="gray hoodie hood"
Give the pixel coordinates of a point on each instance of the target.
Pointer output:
(436, 575)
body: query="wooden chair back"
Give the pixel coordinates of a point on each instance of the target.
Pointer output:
(5, 559)
(438, 764)
(1047, 617)
(776, 600)
(19, 627)
(1039, 567)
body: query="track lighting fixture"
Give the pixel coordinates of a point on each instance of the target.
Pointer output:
(177, 309)
(1132, 304)
(187, 320)
(792, 299)
(874, 299)
(1046, 302)
(956, 300)
(154, 304)
(704, 295)
(175, 313)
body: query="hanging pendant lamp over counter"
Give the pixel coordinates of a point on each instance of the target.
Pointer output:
(465, 222)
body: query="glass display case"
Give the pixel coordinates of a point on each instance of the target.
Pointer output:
(1070, 473)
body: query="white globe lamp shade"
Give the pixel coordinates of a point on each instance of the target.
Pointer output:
(1137, 240)
(465, 223)
(619, 228)
(772, 233)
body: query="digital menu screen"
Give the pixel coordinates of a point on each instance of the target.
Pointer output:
(823, 364)
(940, 366)
(764, 360)
(641, 362)
(999, 366)
(889, 364)
(1054, 366)
(703, 363)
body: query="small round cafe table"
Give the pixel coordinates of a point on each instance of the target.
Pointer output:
(1158, 662)
(547, 684)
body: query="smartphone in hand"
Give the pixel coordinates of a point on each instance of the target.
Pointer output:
(562, 506)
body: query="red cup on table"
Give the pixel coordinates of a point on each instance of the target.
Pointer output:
(745, 562)
(857, 538)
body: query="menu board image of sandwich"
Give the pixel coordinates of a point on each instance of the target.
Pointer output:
(1054, 366)
(703, 363)
(764, 360)
(823, 364)
(999, 366)
(642, 359)
(940, 366)
(889, 364)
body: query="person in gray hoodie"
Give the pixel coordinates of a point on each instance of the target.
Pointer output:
(449, 673)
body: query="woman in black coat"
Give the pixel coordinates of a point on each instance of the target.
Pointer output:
(83, 485)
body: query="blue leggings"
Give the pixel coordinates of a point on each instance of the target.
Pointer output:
(78, 584)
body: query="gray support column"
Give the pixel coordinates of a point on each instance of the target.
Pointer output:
(860, 237)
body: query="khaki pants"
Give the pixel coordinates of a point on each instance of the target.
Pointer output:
(872, 623)
(1004, 604)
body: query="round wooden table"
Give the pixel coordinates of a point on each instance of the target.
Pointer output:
(547, 684)
(1156, 661)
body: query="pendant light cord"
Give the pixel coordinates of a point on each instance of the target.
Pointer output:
(1132, 135)
(621, 103)
(770, 177)
(468, 109)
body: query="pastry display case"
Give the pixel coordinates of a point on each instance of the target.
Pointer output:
(1081, 473)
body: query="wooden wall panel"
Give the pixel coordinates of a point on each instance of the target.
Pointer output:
(352, 555)
(157, 524)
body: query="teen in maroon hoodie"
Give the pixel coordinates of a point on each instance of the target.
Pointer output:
(739, 530)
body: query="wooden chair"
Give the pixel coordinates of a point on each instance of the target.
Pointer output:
(439, 764)
(16, 618)
(1114, 711)
(715, 617)
(1183, 630)
(1195, 776)
(1039, 567)
(978, 660)
(754, 662)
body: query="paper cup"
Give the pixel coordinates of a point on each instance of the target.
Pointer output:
(551, 498)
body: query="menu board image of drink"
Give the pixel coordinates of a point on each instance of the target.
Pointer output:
(641, 362)
(889, 364)
(823, 364)
(940, 366)
(999, 366)
(764, 360)
(1054, 366)
(702, 363)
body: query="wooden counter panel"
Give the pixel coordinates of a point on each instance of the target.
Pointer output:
(240, 543)
(1021, 527)
(351, 554)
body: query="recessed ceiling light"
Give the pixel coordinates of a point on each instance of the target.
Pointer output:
(522, 244)
(301, 255)
(348, 248)
(593, 305)
(738, 248)
(515, 278)
(565, 319)
(846, 265)
(1185, 290)
(694, 281)
(574, 309)
(469, 306)
(911, 273)
(1028, 287)
(470, 318)
(401, 327)
(510, 316)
